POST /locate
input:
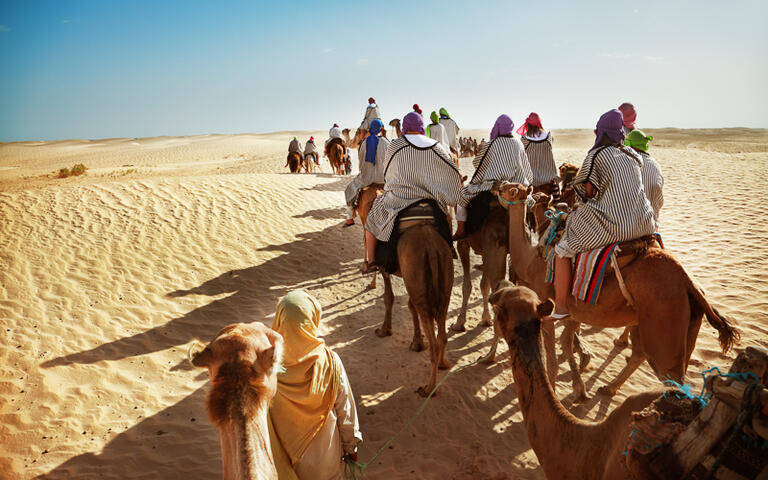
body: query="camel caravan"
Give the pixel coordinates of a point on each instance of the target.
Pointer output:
(576, 245)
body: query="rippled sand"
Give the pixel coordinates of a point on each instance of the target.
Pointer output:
(107, 278)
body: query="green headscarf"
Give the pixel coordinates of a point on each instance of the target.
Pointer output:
(638, 140)
(444, 113)
(435, 119)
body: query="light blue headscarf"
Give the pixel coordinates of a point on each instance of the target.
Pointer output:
(372, 142)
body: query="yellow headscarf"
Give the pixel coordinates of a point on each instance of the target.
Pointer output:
(307, 390)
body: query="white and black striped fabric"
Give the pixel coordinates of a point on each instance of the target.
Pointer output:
(310, 147)
(437, 132)
(452, 132)
(618, 212)
(503, 158)
(541, 159)
(371, 114)
(411, 174)
(369, 173)
(653, 181)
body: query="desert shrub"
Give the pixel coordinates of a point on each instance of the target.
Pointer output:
(76, 170)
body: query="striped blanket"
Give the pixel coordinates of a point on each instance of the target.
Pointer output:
(589, 270)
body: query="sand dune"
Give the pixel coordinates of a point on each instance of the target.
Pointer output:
(106, 279)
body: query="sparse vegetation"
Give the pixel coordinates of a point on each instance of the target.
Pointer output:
(76, 170)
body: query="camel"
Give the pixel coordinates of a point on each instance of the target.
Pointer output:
(242, 361)
(364, 204)
(567, 173)
(666, 313)
(336, 151)
(309, 163)
(566, 446)
(395, 123)
(345, 132)
(294, 162)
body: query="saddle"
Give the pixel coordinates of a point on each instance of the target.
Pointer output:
(422, 212)
(627, 252)
(478, 210)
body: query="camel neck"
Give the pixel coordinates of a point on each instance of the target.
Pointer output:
(245, 447)
(520, 243)
(554, 433)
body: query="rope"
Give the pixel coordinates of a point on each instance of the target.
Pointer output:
(354, 470)
(555, 218)
(504, 201)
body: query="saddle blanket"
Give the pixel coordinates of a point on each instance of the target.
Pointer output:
(589, 271)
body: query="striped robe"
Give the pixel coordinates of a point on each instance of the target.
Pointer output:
(369, 173)
(500, 159)
(437, 132)
(541, 159)
(452, 131)
(653, 182)
(371, 114)
(618, 212)
(411, 174)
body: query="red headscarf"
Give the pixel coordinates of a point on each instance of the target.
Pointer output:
(629, 115)
(336, 125)
(311, 139)
(371, 100)
(416, 108)
(533, 119)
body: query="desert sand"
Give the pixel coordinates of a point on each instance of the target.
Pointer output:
(108, 278)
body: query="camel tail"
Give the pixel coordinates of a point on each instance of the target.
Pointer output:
(728, 334)
(432, 275)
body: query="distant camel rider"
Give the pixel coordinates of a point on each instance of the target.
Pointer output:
(371, 165)
(437, 131)
(451, 131)
(310, 150)
(653, 180)
(628, 117)
(371, 113)
(334, 132)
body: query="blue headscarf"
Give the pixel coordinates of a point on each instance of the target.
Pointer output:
(372, 142)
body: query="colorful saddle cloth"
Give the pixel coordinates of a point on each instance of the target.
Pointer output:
(589, 271)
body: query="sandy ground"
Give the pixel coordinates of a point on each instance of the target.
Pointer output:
(108, 278)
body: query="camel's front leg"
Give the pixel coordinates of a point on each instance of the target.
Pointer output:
(485, 290)
(585, 355)
(634, 361)
(417, 344)
(389, 298)
(566, 343)
(463, 248)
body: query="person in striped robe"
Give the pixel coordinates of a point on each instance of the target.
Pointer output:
(436, 131)
(538, 146)
(371, 156)
(415, 168)
(451, 130)
(653, 180)
(615, 208)
(502, 158)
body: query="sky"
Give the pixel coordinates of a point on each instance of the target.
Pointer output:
(84, 69)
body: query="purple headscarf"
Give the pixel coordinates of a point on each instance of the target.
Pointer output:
(503, 126)
(611, 125)
(413, 123)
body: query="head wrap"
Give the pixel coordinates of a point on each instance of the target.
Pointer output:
(444, 113)
(628, 114)
(372, 142)
(336, 125)
(609, 126)
(371, 100)
(296, 139)
(503, 126)
(416, 108)
(533, 119)
(638, 140)
(307, 390)
(311, 139)
(413, 123)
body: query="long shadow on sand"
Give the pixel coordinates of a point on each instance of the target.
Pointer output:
(253, 290)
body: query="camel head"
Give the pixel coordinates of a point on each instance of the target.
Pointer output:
(345, 132)
(395, 123)
(568, 172)
(518, 318)
(511, 191)
(540, 200)
(242, 361)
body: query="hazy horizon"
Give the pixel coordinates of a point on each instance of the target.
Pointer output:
(131, 70)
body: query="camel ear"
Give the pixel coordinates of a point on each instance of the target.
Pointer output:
(200, 357)
(272, 358)
(545, 308)
(496, 187)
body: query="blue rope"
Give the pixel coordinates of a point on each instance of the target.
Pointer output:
(504, 201)
(555, 218)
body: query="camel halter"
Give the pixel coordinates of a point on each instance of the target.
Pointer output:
(529, 201)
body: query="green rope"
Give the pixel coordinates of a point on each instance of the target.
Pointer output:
(352, 468)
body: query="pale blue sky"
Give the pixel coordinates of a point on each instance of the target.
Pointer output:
(82, 69)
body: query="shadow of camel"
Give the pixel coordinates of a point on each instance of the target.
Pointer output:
(254, 292)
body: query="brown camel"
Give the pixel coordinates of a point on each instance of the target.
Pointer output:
(490, 242)
(567, 447)
(395, 123)
(345, 132)
(309, 163)
(567, 173)
(294, 162)
(667, 305)
(364, 204)
(242, 361)
(336, 151)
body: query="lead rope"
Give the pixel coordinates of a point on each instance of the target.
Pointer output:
(354, 470)
(620, 278)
